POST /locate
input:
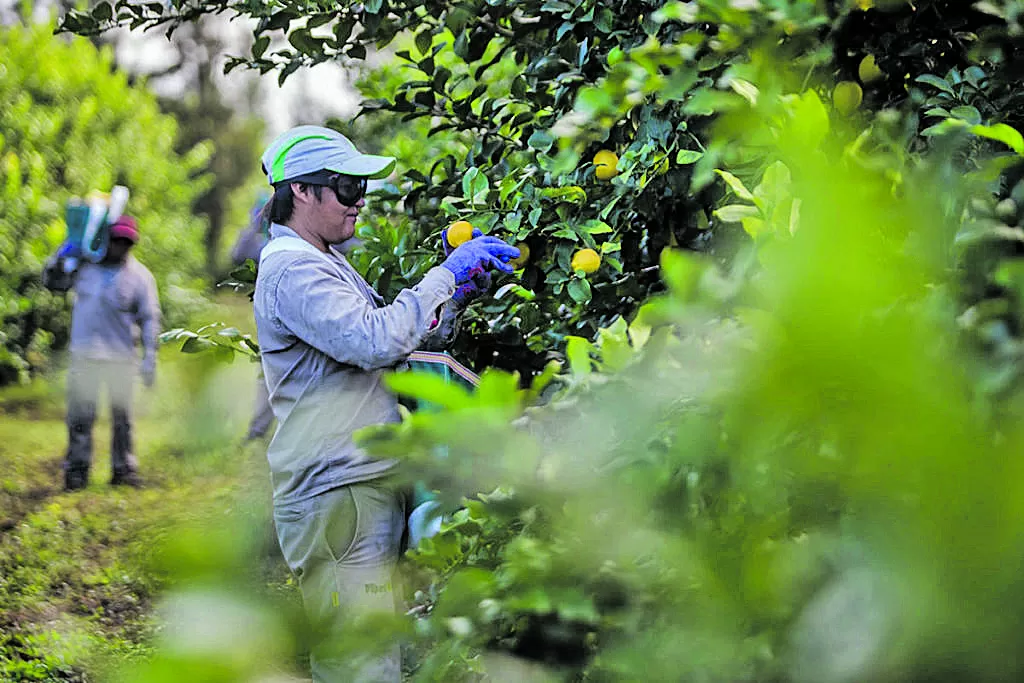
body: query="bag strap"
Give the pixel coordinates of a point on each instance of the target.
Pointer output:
(442, 358)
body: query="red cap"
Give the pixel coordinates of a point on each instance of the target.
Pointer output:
(126, 227)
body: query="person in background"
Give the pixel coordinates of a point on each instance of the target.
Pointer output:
(115, 307)
(327, 340)
(248, 246)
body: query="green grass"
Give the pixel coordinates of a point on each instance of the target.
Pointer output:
(81, 573)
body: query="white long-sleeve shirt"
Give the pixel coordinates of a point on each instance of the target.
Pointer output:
(326, 340)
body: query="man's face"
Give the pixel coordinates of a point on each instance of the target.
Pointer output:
(334, 221)
(118, 250)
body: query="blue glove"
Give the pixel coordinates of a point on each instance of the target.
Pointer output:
(479, 283)
(482, 253)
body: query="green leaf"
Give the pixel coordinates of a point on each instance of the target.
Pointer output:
(196, 345)
(475, 186)
(1003, 133)
(514, 288)
(736, 185)
(424, 39)
(260, 46)
(754, 226)
(593, 101)
(809, 122)
(688, 156)
(734, 213)
(596, 227)
(570, 194)
(434, 389)
(680, 271)
(775, 187)
(967, 113)
(103, 12)
(677, 11)
(745, 89)
(577, 352)
(541, 140)
(936, 82)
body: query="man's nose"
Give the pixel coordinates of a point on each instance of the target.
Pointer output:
(361, 203)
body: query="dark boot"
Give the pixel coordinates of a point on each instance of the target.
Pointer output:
(75, 478)
(126, 479)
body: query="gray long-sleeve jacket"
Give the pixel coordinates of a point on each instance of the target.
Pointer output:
(116, 306)
(326, 339)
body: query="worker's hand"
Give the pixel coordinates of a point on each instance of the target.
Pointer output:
(148, 372)
(478, 285)
(480, 253)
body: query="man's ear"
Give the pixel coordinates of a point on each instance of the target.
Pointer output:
(300, 191)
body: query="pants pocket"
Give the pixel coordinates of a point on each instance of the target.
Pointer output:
(339, 523)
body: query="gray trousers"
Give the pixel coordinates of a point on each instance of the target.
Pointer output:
(85, 377)
(343, 547)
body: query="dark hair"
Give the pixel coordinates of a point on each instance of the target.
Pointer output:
(281, 205)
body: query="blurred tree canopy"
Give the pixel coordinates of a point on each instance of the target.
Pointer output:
(72, 124)
(205, 113)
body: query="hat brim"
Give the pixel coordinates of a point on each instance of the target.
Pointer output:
(365, 166)
(125, 234)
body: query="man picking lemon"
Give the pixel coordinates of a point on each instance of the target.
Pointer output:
(326, 340)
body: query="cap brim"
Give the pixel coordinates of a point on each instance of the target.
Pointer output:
(366, 166)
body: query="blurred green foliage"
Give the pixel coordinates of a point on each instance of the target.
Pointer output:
(72, 124)
(781, 472)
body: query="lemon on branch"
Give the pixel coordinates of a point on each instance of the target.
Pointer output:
(586, 260)
(459, 232)
(606, 164)
(523, 258)
(847, 97)
(868, 70)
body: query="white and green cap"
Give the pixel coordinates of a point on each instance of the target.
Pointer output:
(308, 149)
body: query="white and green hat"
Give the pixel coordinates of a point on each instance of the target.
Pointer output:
(308, 149)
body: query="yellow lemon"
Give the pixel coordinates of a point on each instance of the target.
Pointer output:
(606, 164)
(586, 260)
(868, 70)
(523, 258)
(847, 97)
(459, 232)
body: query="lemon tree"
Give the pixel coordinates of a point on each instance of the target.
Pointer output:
(518, 106)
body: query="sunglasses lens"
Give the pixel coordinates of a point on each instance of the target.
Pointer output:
(349, 189)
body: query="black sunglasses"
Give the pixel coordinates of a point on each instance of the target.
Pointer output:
(349, 189)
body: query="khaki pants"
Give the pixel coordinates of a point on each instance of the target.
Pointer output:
(343, 547)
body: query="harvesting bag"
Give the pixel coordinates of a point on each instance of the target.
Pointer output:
(88, 235)
(427, 513)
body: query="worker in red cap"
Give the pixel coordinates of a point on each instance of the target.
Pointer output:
(115, 305)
